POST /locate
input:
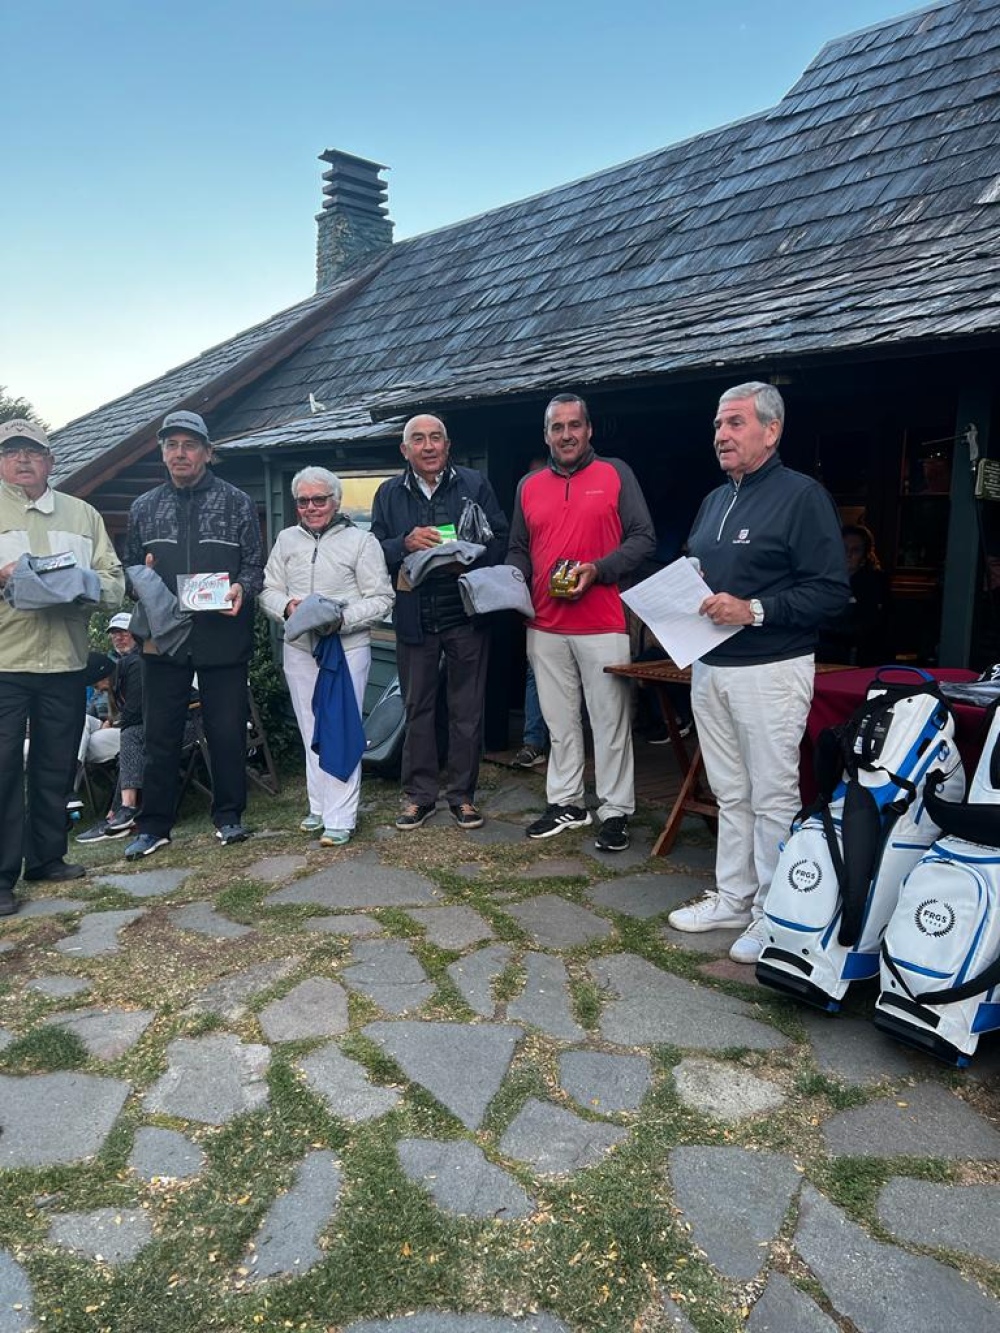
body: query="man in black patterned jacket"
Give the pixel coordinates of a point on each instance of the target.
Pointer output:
(196, 523)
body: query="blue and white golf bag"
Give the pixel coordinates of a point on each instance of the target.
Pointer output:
(941, 952)
(840, 870)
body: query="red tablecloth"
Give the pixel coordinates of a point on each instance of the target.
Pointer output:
(838, 693)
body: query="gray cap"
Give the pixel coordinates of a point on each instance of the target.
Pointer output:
(121, 620)
(22, 429)
(189, 421)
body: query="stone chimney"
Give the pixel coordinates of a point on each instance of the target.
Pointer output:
(353, 226)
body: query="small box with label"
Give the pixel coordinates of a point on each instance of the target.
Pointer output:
(202, 592)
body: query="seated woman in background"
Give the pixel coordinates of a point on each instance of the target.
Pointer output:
(326, 553)
(860, 634)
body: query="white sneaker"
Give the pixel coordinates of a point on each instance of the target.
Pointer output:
(708, 913)
(747, 948)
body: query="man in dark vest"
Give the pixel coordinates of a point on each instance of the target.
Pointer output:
(196, 523)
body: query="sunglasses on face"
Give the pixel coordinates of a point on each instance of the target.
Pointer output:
(305, 501)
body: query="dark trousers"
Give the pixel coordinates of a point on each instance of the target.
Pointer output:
(466, 652)
(51, 704)
(166, 693)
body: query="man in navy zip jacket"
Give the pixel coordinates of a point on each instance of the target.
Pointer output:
(770, 547)
(196, 523)
(408, 514)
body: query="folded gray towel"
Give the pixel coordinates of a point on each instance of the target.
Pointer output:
(314, 612)
(29, 590)
(495, 588)
(157, 616)
(418, 564)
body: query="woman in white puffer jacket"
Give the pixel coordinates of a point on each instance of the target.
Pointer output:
(326, 553)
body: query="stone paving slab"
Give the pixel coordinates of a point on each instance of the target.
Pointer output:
(16, 1297)
(923, 1121)
(642, 896)
(390, 974)
(696, 856)
(440, 1321)
(454, 927)
(724, 969)
(52, 906)
(705, 941)
(50, 1118)
(880, 1288)
(287, 1241)
(211, 1079)
(58, 987)
(461, 1064)
(735, 1202)
(783, 1308)
(605, 1083)
(952, 1217)
(676, 1319)
(355, 924)
(557, 867)
(512, 798)
(725, 1092)
(556, 923)
(460, 1179)
(474, 976)
(6, 1037)
(106, 1033)
(164, 1154)
(497, 833)
(345, 1087)
(98, 933)
(276, 869)
(359, 882)
(204, 919)
(555, 1141)
(855, 1051)
(7, 946)
(147, 883)
(229, 997)
(636, 854)
(113, 1236)
(316, 1007)
(657, 1008)
(544, 1002)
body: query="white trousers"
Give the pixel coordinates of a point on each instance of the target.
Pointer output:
(750, 722)
(98, 744)
(334, 801)
(566, 665)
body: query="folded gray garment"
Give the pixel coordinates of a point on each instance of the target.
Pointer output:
(157, 617)
(27, 590)
(496, 588)
(418, 564)
(314, 612)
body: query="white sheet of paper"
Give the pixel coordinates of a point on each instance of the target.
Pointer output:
(668, 603)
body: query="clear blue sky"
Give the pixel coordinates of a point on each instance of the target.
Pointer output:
(160, 164)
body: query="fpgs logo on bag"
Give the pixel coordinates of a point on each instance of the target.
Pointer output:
(804, 876)
(934, 918)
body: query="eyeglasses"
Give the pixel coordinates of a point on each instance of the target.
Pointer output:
(23, 451)
(307, 501)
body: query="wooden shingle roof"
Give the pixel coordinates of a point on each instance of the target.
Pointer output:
(862, 211)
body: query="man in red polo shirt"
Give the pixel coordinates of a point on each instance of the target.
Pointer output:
(588, 511)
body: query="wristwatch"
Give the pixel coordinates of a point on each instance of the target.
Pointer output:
(757, 611)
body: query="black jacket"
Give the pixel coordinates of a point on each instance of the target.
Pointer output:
(400, 506)
(775, 535)
(209, 528)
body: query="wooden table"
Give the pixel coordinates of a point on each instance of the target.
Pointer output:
(695, 796)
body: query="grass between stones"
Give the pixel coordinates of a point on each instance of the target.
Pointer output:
(599, 1247)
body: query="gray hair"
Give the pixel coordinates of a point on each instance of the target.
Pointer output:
(568, 398)
(767, 401)
(320, 476)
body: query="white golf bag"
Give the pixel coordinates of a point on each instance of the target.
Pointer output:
(840, 870)
(941, 953)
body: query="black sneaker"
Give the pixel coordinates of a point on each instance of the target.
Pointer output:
(556, 819)
(8, 903)
(96, 832)
(230, 833)
(121, 822)
(412, 815)
(529, 756)
(613, 836)
(466, 815)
